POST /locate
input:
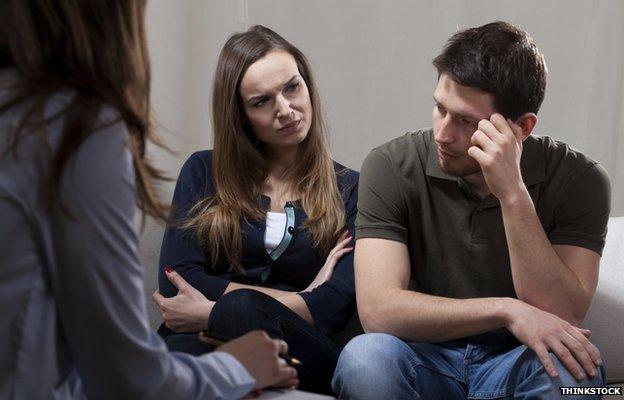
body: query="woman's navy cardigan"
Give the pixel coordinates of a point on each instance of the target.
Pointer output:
(331, 304)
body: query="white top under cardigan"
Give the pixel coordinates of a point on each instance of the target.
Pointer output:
(275, 226)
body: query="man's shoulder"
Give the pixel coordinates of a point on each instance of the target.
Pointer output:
(411, 147)
(560, 157)
(564, 169)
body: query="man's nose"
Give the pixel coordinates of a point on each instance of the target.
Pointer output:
(445, 131)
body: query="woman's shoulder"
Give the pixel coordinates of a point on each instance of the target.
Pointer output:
(345, 176)
(201, 157)
(198, 165)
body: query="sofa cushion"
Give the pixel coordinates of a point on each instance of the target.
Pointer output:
(606, 314)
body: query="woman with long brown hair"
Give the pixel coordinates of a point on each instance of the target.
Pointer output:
(264, 220)
(74, 121)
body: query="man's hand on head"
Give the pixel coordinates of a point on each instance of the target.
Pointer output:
(497, 147)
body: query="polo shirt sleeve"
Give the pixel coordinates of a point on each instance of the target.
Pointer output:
(582, 210)
(382, 212)
(180, 248)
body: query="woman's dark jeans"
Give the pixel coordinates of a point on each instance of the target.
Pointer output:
(244, 310)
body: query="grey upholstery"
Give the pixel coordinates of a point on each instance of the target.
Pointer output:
(606, 315)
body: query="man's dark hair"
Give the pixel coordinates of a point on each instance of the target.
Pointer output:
(499, 59)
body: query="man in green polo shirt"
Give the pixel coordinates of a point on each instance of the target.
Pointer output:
(478, 243)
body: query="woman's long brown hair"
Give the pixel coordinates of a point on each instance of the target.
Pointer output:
(95, 50)
(240, 164)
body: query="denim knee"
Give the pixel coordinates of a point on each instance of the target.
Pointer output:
(371, 366)
(540, 384)
(568, 380)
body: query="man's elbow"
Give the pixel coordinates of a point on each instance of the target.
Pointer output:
(572, 313)
(374, 319)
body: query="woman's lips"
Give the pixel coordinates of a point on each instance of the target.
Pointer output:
(290, 128)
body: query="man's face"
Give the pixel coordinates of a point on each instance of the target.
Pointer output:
(456, 113)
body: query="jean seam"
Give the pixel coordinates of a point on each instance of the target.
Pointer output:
(484, 394)
(416, 363)
(492, 394)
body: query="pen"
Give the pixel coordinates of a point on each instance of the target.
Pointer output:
(217, 340)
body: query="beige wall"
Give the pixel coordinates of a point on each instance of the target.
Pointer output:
(372, 60)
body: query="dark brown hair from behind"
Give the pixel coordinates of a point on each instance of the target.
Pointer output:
(94, 49)
(499, 59)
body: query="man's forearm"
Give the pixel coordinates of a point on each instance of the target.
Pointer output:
(539, 275)
(437, 318)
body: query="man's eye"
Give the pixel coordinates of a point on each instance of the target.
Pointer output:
(441, 109)
(468, 122)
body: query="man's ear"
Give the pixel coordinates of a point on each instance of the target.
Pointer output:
(527, 122)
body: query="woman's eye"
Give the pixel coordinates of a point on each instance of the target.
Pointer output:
(292, 87)
(260, 103)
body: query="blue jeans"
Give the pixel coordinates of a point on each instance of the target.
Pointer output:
(379, 366)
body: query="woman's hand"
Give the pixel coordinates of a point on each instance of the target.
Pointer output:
(259, 354)
(339, 250)
(188, 311)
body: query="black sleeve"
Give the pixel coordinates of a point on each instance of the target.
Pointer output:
(332, 304)
(180, 248)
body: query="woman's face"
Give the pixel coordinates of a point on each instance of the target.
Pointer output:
(276, 100)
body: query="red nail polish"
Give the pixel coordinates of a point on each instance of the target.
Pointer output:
(168, 270)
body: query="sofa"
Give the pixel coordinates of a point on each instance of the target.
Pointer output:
(605, 318)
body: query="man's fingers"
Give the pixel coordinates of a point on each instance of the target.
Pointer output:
(479, 155)
(544, 357)
(516, 130)
(495, 131)
(502, 125)
(480, 139)
(567, 359)
(592, 350)
(585, 332)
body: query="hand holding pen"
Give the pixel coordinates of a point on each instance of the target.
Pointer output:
(263, 357)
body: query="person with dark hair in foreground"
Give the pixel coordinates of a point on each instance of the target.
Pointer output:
(478, 243)
(74, 122)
